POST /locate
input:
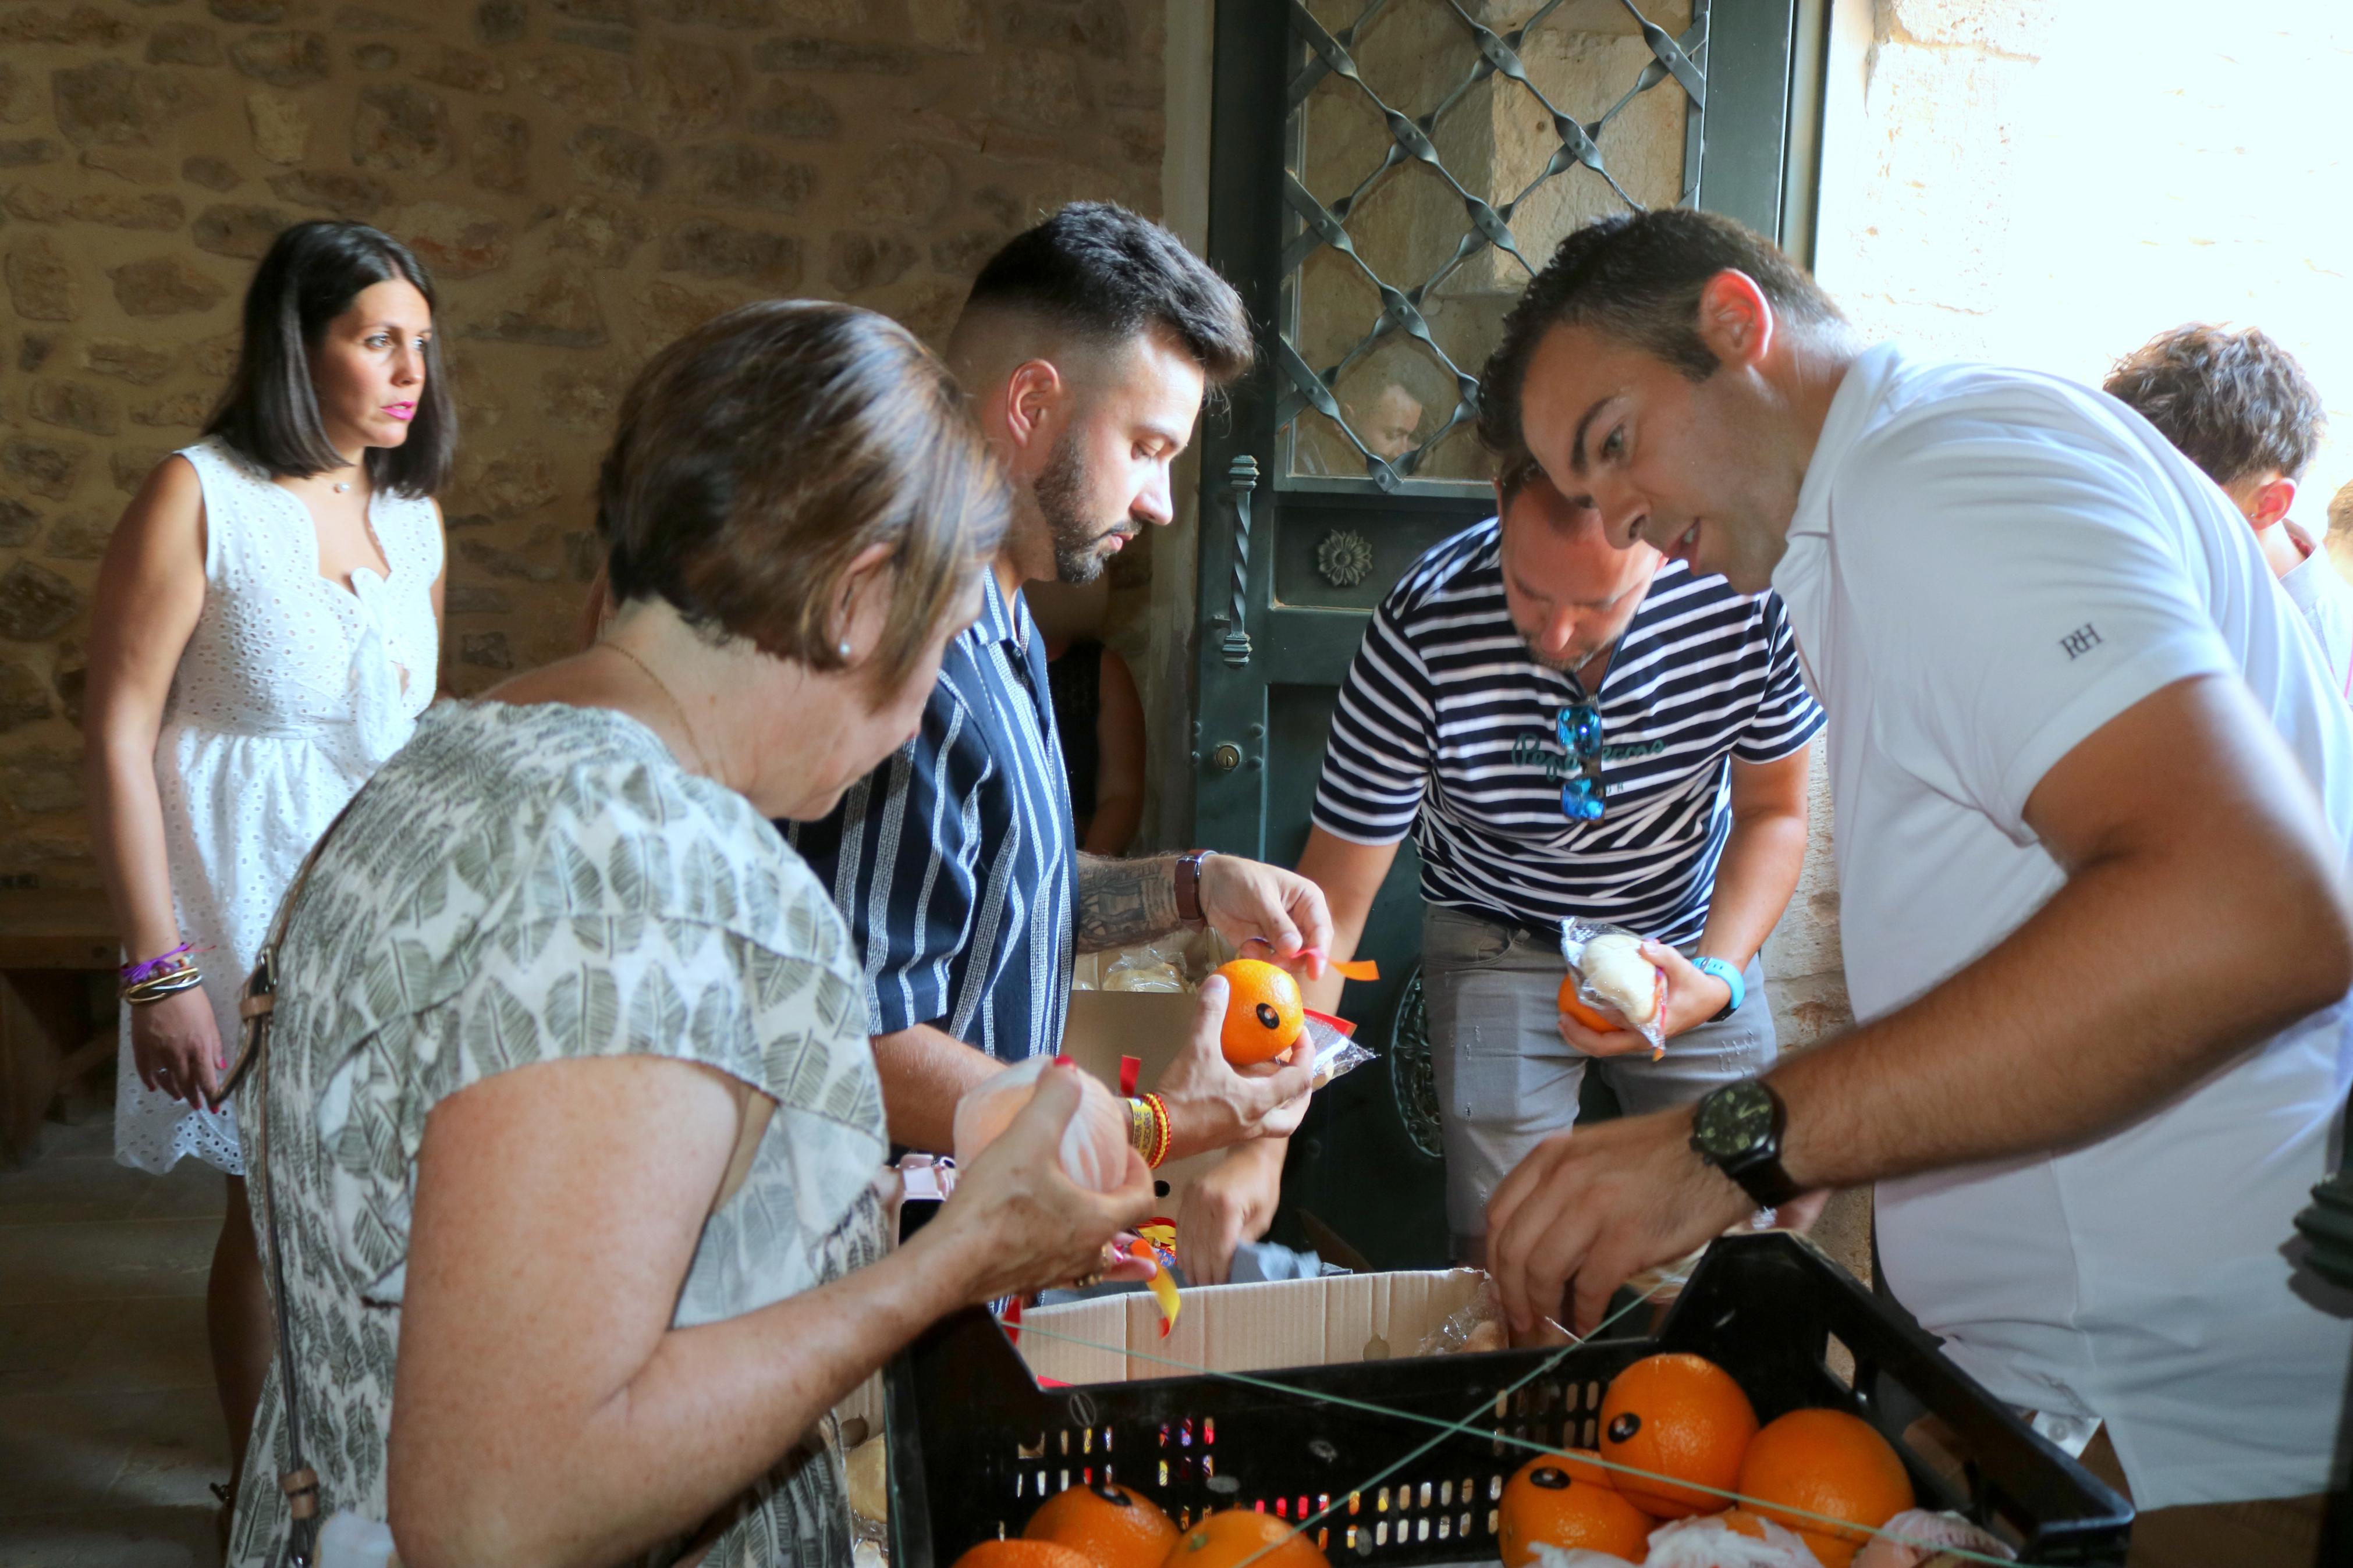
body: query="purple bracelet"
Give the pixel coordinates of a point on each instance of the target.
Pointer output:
(132, 973)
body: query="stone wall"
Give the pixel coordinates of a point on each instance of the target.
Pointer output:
(587, 179)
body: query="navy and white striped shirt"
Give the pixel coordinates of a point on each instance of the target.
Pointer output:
(1445, 726)
(954, 862)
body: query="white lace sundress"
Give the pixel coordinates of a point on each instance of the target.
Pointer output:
(287, 696)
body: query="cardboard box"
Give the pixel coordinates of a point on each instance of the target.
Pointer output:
(1244, 1328)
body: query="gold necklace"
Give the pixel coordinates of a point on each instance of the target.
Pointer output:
(678, 710)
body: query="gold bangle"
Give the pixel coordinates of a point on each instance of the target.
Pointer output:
(148, 992)
(1140, 1128)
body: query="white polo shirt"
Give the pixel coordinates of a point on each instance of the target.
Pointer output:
(1985, 566)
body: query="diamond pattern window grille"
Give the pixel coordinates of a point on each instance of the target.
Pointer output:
(1377, 191)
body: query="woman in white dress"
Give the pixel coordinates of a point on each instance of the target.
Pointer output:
(267, 630)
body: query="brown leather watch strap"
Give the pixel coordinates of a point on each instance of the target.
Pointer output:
(1189, 884)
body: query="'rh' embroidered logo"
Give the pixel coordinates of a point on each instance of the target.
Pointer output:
(2079, 641)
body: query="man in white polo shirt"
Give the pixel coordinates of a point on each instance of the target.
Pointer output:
(2093, 792)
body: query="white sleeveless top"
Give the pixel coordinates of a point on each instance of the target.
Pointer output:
(290, 693)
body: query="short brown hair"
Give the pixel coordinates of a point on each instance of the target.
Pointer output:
(1636, 278)
(2234, 404)
(758, 454)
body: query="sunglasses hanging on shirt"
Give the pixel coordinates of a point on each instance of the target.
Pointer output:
(1578, 725)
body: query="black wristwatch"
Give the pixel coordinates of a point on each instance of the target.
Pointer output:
(1737, 1129)
(1189, 884)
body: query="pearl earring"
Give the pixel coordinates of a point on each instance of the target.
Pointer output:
(844, 649)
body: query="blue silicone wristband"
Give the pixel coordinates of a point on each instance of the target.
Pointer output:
(1731, 977)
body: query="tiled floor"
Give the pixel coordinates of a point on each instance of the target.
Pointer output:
(108, 1428)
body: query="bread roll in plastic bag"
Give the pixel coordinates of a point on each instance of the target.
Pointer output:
(1094, 1144)
(1614, 979)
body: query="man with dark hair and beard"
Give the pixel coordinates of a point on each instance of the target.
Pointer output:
(1086, 346)
(1567, 728)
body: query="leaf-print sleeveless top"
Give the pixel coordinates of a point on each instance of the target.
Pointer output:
(523, 885)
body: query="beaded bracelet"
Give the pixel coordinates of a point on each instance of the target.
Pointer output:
(1163, 1134)
(131, 975)
(155, 987)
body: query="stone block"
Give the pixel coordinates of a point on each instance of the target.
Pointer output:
(249, 13)
(605, 231)
(507, 487)
(362, 19)
(83, 27)
(50, 204)
(402, 129)
(907, 183)
(498, 563)
(281, 129)
(24, 698)
(33, 782)
(183, 44)
(857, 261)
(214, 173)
(607, 158)
(216, 357)
(615, 12)
(835, 55)
(27, 151)
(375, 57)
(47, 468)
(950, 25)
(74, 405)
(41, 284)
(500, 153)
(36, 603)
(142, 364)
(499, 21)
(164, 286)
(128, 467)
(737, 14)
(1099, 27)
(1038, 87)
(612, 41)
(581, 83)
(334, 192)
(715, 249)
(557, 308)
(961, 255)
(471, 599)
(239, 230)
(580, 399)
(464, 70)
(128, 163)
(182, 410)
(107, 102)
(741, 174)
(692, 87)
(794, 112)
(667, 311)
(18, 524)
(485, 650)
(281, 59)
(454, 242)
(81, 537)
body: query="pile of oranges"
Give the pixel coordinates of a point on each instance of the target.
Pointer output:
(1679, 1438)
(1105, 1526)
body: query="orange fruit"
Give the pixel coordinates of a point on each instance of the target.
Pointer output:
(1593, 1018)
(1681, 1418)
(1115, 1527)
(1548, 1502)
(1020, 1553)
(1226, 1539)
(1825, 1462)
(1263, 1013)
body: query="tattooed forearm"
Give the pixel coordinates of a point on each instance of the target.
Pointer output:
(1124, 902)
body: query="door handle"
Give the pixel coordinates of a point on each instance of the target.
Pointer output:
(1242, 478)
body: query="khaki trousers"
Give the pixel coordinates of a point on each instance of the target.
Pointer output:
(2270, 1533)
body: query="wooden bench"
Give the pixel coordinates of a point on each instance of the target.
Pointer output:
(54, 1025)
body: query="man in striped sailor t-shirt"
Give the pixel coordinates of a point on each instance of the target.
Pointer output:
(1567, 728)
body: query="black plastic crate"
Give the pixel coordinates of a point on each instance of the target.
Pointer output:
(976, 1445)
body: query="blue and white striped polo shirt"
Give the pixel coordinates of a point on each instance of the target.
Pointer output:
(1445, 726)
(954, 861)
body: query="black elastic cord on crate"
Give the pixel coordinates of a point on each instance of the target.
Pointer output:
(1464, 1428)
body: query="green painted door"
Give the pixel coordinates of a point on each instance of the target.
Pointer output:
(1384, 177)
